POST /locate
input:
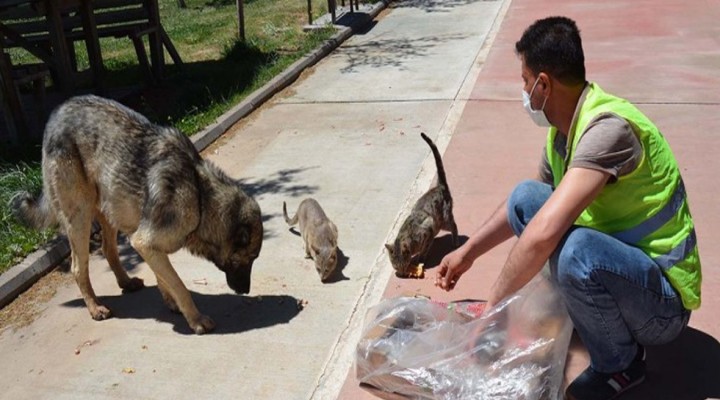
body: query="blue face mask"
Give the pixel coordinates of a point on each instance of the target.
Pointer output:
(538, 116)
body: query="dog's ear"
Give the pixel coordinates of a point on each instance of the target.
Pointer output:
(242, 236)
(389, 248)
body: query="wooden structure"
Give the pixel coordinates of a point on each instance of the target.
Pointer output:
(332, 9)
(48, 28)
(133, 19)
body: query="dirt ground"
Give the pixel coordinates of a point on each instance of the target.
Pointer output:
(28, 305)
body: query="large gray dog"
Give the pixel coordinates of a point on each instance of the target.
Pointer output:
(102, 161)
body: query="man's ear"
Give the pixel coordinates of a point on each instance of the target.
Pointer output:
(546, 82)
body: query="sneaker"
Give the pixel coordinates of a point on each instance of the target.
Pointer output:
(593, 385)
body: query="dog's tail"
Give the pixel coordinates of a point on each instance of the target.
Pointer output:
(442, 180)
(289, 221)
(33, 212)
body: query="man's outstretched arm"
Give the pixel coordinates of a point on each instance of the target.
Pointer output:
(493, 232)
(578, 188)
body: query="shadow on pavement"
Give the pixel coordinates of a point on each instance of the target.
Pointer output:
(279, 182)
(129, 258)
(686, 369)
(431, 6)
(366, 28)
(232, 313)
(393, 52)
(267, 232)
(440, 247)
(342, 262)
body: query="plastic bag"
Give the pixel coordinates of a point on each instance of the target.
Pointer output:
(428, 350)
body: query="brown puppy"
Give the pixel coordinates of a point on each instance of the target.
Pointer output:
(102, 161)
(319, 234)
(432, 212)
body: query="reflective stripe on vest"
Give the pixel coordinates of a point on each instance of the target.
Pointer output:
(678, 253)
(636, 233)
(633, 235)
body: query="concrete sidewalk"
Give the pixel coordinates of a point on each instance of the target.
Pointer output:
(347, 134)
(664, 57)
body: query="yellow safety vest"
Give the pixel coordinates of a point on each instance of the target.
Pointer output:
(647, 208)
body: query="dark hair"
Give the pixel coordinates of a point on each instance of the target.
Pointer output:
(553, 45)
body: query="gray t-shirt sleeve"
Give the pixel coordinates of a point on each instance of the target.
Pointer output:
(608, 144)
(544, 171)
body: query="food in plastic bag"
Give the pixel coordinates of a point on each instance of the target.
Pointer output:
(429, 350)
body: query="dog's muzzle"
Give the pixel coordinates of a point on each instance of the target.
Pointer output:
(239, 279)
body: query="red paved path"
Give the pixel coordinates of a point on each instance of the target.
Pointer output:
(665, 57)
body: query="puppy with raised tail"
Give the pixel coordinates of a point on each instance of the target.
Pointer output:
(319, 234)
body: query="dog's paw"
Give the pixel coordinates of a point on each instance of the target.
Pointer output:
(100, 313)
(204, 324)
(132, 285)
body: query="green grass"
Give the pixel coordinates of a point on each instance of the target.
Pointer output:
(219, 71)
(16, 241)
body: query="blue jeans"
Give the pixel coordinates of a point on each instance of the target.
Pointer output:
(615, 294)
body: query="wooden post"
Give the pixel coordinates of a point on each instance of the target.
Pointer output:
(157, 54)
(241, 20)
(332, 5)
(309, 12)
(92, 44)
(14, 116)
(59, 47)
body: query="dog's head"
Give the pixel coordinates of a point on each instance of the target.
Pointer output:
(230, 233)
(243, 243)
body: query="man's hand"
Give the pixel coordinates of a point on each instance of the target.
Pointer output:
(451, 269)
(493, 232)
